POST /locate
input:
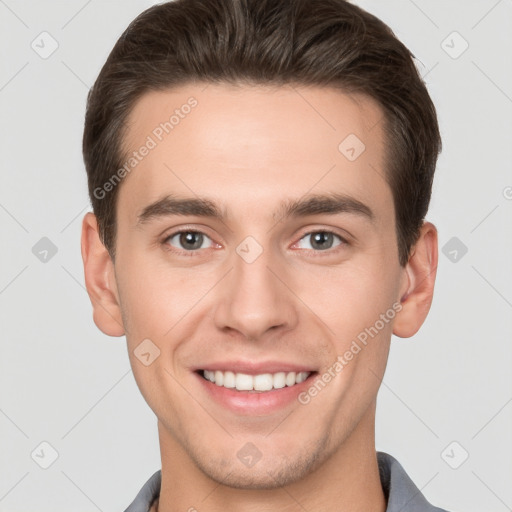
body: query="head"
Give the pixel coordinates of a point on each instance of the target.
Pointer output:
(259, 125)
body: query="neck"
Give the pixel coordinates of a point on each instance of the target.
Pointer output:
(348, 480)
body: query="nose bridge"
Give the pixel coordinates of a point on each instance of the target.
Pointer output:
(254, 299)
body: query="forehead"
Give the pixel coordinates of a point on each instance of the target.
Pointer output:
(252, 141)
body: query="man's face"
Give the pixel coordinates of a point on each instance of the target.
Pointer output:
(255, 291)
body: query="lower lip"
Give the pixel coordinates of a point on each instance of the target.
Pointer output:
(255, 403)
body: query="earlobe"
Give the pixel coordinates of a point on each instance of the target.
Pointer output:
(419, 279)
(100, 279)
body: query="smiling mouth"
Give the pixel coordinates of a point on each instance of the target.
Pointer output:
(259, 383)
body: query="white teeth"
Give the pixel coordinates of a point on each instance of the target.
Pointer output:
(229, 379)
(244, 382)
(261, 382)
(301, 377)
(290, 379)
(279, 380)
(219, 378)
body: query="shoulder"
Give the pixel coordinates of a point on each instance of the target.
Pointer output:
(149, 492)
(401, 492)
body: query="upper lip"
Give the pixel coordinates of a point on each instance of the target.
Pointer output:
(254, 368)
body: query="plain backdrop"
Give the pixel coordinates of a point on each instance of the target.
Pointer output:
(445, 405)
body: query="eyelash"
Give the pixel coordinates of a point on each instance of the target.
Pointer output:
(170, 248)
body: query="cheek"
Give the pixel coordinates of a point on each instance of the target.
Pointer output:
(162, 307)
(155, 296)
(350, 297)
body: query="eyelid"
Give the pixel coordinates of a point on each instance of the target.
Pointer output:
(170, 232)
(345, 236)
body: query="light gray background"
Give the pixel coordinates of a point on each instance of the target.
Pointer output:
(64, 382)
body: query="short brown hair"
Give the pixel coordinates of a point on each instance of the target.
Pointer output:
(304, 42)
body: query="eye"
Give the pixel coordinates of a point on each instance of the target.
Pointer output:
(188, 240)
(322, 240)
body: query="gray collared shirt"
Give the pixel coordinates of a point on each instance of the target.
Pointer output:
(401, 493)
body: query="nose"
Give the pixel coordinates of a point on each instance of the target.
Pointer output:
(255, 298)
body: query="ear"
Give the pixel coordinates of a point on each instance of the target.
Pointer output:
(100, 279)
(418, 283)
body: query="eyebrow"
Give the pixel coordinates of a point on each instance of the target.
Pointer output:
(316, 204)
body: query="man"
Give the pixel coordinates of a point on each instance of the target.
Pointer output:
(259, 172)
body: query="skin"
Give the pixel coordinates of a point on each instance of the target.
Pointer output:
(247, 149)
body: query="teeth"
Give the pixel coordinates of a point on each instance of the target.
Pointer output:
(261, 382)
(229, 380)
(244, 382)
(301, 377)
(279, 380)
(290, 379)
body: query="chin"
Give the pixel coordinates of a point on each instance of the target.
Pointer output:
(263, 478)
(266, 474)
